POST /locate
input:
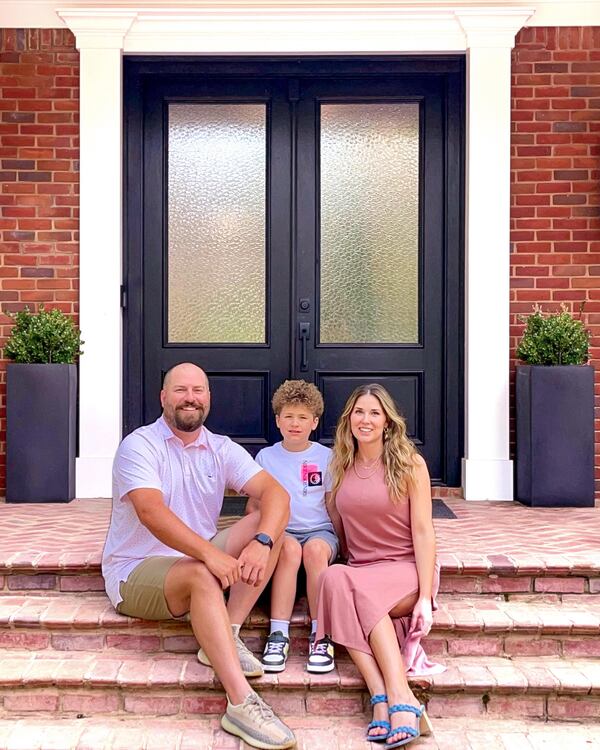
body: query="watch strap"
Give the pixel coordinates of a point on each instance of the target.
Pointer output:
(265, 539)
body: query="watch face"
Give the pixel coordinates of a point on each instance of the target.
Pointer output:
(264, 539)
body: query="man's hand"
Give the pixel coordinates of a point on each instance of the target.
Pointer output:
(253, 561)
(224, 567)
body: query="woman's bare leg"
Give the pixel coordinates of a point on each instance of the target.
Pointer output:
(371, 673)
(386, 650)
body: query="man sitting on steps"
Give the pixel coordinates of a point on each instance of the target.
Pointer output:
(164, 558)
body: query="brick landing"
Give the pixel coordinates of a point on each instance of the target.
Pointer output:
(320, 733)
(518, 628)
(504, 538)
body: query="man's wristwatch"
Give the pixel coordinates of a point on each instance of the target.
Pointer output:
(264, 539)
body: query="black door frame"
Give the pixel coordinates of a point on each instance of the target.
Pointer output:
(142, 72)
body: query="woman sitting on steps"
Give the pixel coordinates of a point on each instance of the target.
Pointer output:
(380, 604)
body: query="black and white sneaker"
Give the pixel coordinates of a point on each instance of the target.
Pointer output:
(320, 655)
(276, 652)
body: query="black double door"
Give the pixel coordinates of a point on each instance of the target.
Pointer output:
(300, 225)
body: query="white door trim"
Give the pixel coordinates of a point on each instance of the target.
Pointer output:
(486, 35)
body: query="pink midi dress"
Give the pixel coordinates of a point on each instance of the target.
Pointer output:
(381, 571)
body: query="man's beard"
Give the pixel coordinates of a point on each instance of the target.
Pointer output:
(189, 421)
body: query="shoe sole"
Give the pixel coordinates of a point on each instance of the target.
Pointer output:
(273, 667)
(320, 670)
(232, 728)
(255, 673)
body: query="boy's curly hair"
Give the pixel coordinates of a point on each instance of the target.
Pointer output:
(298, 392)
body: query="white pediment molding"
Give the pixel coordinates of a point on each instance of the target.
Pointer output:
(99, 28)
(295, 29)
(49, 13)
(497, 27)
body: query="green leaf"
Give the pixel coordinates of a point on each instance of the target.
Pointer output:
(48, 336)
(554, 339)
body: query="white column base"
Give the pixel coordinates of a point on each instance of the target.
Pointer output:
(487, 479)
(93, 477)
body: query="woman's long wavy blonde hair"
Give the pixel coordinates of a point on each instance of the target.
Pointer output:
(399, 451)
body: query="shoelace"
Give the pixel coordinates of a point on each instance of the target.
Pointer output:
(320, 648)
(264, 710)
(275, 647)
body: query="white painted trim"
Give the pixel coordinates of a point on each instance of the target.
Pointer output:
(297, 34)
(487, 255)
(487, 479)
(43, 13)
(327, 30)
(100, 369)
(486, 33)
(94, 476)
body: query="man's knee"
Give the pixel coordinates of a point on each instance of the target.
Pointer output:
(202, 578)
(194, 576)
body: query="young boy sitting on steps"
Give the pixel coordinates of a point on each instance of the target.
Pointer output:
(300, 466)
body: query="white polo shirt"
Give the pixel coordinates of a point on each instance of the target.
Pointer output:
(192, 478)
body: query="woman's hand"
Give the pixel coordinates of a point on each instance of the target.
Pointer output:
(422, 618)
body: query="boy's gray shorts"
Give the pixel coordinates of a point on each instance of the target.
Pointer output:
(326, 534)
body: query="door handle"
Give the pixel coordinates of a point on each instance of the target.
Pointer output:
(304, 335)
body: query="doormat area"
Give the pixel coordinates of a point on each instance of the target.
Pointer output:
(441, 510)
(234, 506)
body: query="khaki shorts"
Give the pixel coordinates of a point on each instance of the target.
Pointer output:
(143, 592)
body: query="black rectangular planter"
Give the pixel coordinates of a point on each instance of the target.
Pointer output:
(555, 436)
(41, 403)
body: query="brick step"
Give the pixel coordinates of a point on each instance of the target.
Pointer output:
(320, 733)
(90, 683)
(462, 627)
(513, 582)
(471, 576)
(313, 733)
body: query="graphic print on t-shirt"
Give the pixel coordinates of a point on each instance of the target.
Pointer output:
(311, 474)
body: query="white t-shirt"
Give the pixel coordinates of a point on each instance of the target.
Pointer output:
(305, 476)
(192, 479)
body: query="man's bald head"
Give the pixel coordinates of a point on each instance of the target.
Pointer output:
(184, 369)
(185, 397)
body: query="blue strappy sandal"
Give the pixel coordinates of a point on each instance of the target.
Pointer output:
(414, 733)
(381, 698)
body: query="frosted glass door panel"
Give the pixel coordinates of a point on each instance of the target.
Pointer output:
(369, 223)
(216, 223)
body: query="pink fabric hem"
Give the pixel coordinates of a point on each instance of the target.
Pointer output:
(416, 661)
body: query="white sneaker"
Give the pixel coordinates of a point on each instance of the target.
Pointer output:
(251, 666)
(320, 655)
(276, 652)
(254, 721)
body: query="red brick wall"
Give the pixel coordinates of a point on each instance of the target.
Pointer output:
(555, 211)
(555, 224)
(39, 204)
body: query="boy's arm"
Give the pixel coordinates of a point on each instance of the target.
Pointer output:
(336, 520)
